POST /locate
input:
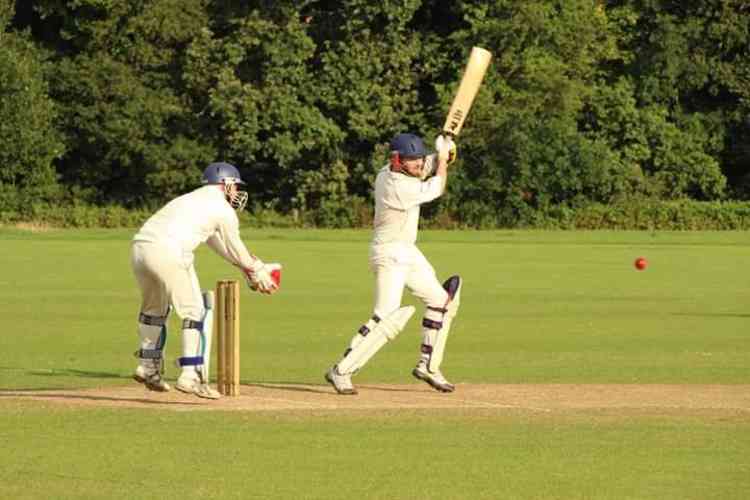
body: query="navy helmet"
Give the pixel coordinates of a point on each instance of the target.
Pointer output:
(221, 173)
(227, 175)
(408, 146)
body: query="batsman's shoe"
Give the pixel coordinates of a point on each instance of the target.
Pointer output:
(435, 379)
(342, 383)
(151, 379)
(195, 386)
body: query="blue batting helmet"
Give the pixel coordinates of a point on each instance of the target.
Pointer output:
(221, 173)
(408, 146)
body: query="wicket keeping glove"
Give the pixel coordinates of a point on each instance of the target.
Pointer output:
(263, 278)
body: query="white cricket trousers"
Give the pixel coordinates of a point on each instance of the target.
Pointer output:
(399, 265)
(166, 277)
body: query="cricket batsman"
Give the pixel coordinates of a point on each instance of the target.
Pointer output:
(162, 261)
(401, 187)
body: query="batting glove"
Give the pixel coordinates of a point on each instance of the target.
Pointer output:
(446, 149)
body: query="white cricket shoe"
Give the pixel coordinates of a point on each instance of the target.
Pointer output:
(435, 379)
(151, 378)
(342, 383)
(191, 385)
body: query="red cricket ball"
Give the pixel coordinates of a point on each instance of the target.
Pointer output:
(276, 276)
(641, 263)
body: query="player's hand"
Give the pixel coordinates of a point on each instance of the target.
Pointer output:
(446, 149)
(263, 278)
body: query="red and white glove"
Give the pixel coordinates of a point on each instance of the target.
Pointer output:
(263, 278)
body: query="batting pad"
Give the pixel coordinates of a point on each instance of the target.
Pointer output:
(453, 286)
(386, 330)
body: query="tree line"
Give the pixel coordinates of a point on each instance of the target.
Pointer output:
(123, 102)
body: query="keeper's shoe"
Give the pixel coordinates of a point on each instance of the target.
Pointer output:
(435, 379)
(342, 383)
(190, 385)
(151, 378)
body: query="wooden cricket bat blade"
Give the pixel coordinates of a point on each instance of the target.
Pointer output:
(479, 61)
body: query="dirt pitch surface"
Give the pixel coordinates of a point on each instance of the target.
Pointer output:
(632, 399)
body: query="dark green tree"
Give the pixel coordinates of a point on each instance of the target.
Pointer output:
(687, 66)
(522, 145)
(252, 75)
(131, 134)
(29, 141)
(585, 101)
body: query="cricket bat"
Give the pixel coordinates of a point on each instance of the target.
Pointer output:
(479, 60)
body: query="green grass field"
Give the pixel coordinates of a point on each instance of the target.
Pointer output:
(537, 307)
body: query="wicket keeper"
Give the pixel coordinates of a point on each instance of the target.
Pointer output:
(162, 260)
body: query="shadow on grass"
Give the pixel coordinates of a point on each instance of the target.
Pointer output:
(409, 388)
(42, 396)
(76, 373)
(321, 388)
(711, 315)
(20, 373)
(289, 386)
(64, 372)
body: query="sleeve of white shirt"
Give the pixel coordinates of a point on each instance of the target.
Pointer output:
(411, 192)
(226, 242)
(217, 245)
(430, 165)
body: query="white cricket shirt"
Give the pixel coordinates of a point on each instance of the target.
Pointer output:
(200, 216)
(397, 200)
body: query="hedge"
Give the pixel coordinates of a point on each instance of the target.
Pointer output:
(682, 215)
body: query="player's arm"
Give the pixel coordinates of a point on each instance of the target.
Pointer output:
(434, 187)
(446, 154)
(430, 166)
(226, 242)
(410, 192)
(216, 243)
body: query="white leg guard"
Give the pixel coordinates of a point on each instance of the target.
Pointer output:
(207, 335)
(196, 343)
(371, 337)
(362, 332)
(437, 324)
(152, 331)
